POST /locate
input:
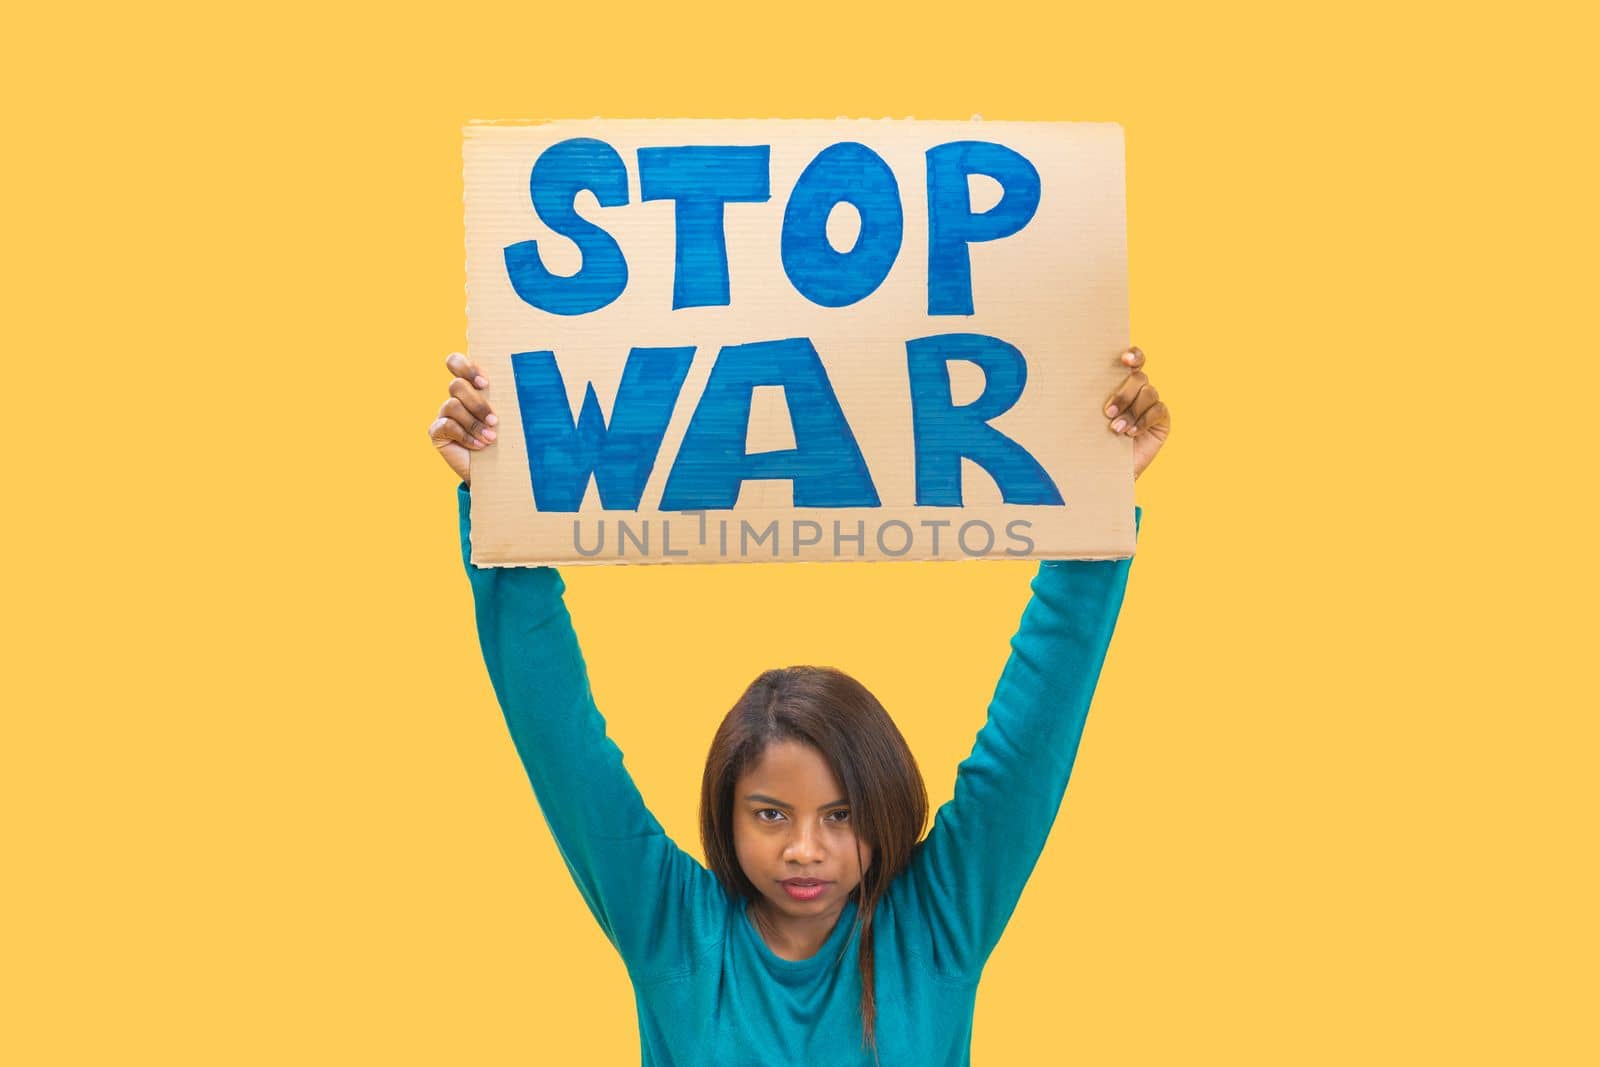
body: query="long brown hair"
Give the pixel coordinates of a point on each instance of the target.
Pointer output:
(836, 715)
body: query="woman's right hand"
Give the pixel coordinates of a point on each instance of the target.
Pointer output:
(466, 421)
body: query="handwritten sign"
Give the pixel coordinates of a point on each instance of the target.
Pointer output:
(757, 341)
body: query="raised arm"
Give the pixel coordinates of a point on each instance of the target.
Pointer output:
(969, 872)
(647, 894)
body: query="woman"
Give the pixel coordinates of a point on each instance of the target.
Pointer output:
(823, 930)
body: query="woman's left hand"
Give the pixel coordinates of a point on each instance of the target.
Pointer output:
(1136, 410)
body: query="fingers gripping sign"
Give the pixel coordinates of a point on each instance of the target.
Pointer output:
(1135, 410)
(466, 421)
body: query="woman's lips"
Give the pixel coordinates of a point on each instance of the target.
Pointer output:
(804, 888)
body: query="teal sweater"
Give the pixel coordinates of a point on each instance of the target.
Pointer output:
(708, 990)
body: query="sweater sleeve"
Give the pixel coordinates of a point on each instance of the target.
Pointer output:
(655, 902)
(968, 874)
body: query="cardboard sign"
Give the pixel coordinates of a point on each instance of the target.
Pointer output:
(749, 341)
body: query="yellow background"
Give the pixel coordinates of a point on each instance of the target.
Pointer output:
(1335, 801)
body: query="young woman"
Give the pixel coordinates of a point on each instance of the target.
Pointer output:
(823, 931)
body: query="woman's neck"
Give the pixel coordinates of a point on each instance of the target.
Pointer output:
(792, 938)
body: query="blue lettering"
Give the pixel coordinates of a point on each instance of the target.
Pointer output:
(851, 173)
(563, 453)
(826, 465)
(701, 179)
(559, 174)
(951, 223)
(944, 433)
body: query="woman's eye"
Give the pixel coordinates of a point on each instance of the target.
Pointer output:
(769, 815)
(842, 815)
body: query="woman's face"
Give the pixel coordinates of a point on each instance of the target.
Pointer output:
(793, 834)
